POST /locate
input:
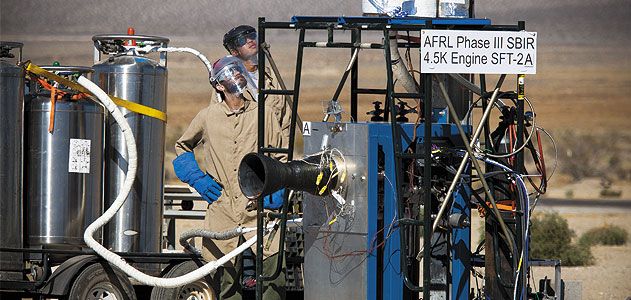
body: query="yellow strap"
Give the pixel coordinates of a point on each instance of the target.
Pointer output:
(131, 106)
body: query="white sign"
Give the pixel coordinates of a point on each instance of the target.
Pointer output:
(478, 52)
(79, 156)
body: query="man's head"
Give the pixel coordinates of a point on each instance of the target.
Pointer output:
(229, 75)
(242, 42)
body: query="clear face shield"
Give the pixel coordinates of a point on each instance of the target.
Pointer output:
(230, 73)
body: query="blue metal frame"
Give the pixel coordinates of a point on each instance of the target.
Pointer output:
(380, 134)
(345, 20)
(461, 245)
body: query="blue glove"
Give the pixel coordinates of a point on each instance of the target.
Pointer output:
(187, 170)
(275, 200)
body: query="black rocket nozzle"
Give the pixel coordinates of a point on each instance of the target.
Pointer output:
(260, 175)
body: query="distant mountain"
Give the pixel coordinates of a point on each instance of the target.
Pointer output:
(600, 22)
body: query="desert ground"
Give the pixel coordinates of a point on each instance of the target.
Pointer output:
(580, 94)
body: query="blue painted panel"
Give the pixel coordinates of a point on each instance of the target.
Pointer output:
(440, 21)
(381, 134)
(461, 247)
(372, 177)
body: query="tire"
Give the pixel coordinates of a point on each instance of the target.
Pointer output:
(198, 290)
(100, 281)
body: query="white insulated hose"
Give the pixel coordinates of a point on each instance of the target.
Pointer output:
(113, 258)
(199, 55)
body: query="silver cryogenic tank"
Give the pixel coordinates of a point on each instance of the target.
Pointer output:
(137, 227)
(11, 128)
(63, 163)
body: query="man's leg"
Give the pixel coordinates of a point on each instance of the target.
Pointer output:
(275, 289)
(229, 281)
(249, 269)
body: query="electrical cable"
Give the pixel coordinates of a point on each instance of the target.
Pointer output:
(514, 152)
(556, 152)
(523, 195)
(498, 103)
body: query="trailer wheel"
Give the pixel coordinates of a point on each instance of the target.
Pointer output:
(198, 290)
(100, 281)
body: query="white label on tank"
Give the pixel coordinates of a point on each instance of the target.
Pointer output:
(483, 52)
(79, 156)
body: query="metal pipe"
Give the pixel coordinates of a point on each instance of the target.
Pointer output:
(340, 85)
(466, 83)
(476, 165)
(261, 143)
(355, 39)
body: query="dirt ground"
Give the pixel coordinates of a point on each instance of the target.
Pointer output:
(608, 278)
(578, 91)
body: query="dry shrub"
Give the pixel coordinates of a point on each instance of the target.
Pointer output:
(609, 235)
(551, 238)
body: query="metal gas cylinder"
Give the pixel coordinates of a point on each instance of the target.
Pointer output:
(11, 129)
(63, 162)
(133, 76)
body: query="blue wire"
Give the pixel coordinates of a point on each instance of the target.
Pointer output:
(523, 196)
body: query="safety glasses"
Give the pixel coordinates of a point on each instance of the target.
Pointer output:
(243, 39)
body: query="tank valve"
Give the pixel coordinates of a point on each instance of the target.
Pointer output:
(131, 31)
(403, 109)
(376, 113)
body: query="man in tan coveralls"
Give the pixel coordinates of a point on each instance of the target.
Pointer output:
(242, 42)
(224, 133)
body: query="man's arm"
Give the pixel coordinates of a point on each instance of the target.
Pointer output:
(192, 136)
(185, 165)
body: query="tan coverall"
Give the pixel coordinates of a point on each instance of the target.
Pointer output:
(281, 109)
(222, 138)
